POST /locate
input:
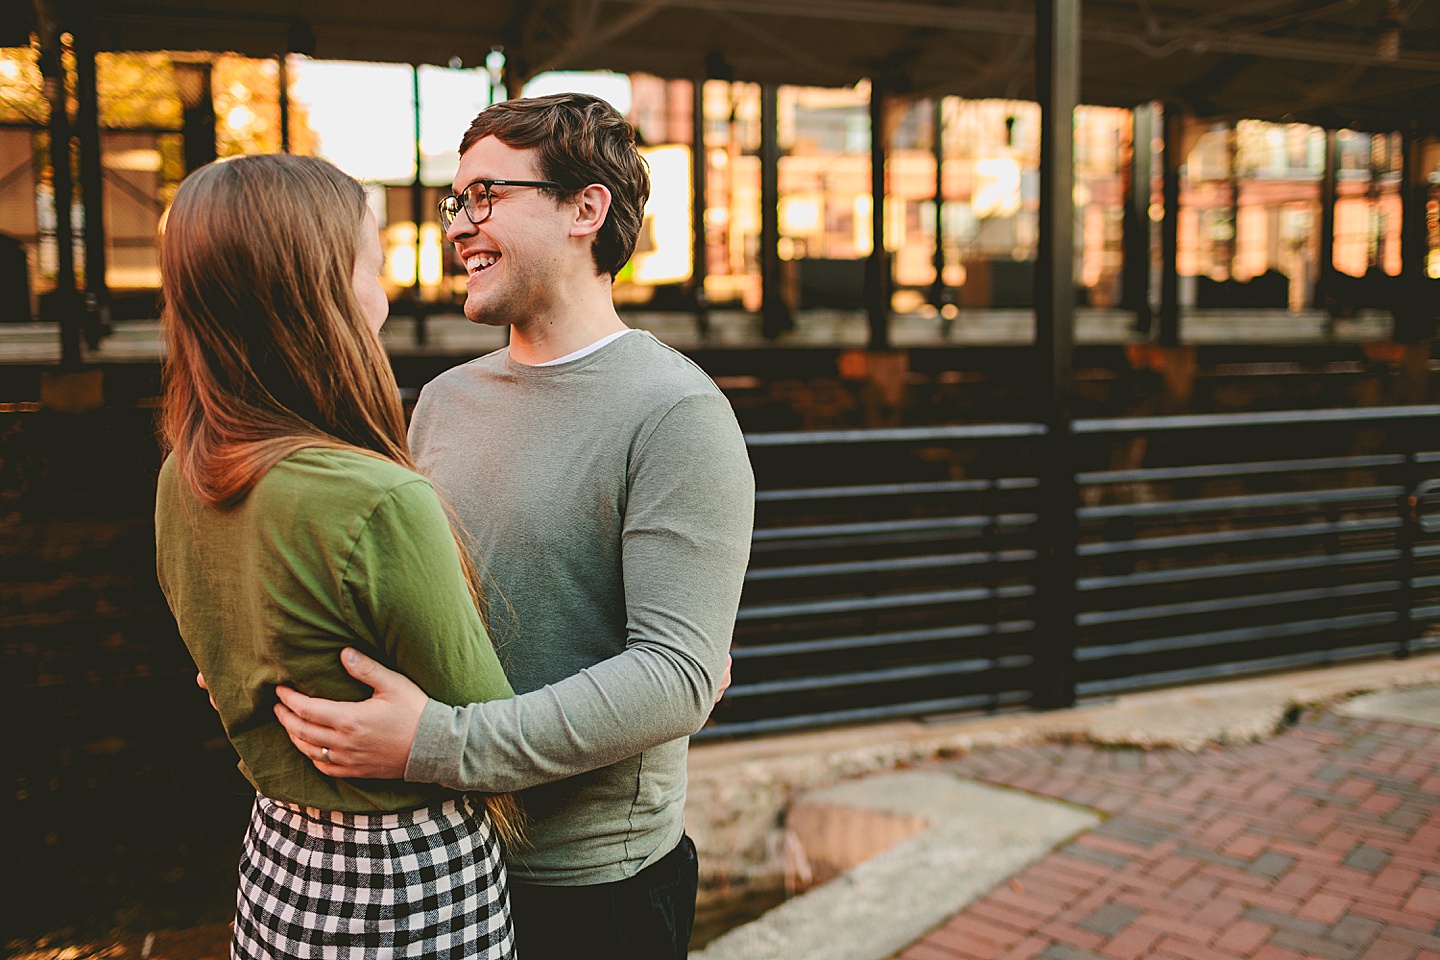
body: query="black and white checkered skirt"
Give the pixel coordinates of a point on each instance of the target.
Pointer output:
(428, 882)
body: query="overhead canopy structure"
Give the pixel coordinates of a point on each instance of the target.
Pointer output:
(1362, 64)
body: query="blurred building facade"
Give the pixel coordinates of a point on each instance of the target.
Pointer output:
(1250, 201)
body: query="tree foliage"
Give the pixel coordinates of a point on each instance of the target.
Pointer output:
(21, 93)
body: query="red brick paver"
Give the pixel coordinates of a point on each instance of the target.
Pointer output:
(1322, 843)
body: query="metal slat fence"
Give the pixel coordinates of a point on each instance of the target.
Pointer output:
(894, 573)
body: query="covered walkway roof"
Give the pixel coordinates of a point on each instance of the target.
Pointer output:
(1363, 64)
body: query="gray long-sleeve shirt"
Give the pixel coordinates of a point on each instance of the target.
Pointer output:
(611, 503)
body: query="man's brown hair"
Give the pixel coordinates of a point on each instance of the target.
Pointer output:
(578, 140)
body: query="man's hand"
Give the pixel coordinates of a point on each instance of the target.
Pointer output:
(724, 678)
(200, 682)
(369, 739)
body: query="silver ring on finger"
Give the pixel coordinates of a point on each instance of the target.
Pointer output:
(325, 754)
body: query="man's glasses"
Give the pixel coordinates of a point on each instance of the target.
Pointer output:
(478, 202)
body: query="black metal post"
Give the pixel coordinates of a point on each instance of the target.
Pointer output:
(62, 304)
(775, 316)
(1135, 223)
(1174, 122)
(417, 214)
(940, 296)
(877, 268)
(1328, 187)
(92, 189)
(1057, 62)
(1412, 474)
(197, 112)
(1414, 317)
(1232, 164)
(282, 65)
(1379, 147)
(699, 202)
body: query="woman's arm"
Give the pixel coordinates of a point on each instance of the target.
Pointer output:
(404, 590)
(404, 586)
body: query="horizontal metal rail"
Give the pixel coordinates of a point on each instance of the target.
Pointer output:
(969, 431)
(969, 631)
(1218, 571)
(1307, 658)
(1225, 604)
(836, 530)
(894, 489)
(1209, 638)
(1233, 421)
(853, 678)
(1215, 538)
(892, 565)
(884, 601)
(1255, 468)
(1102, 425)
(921, 708)
(1258, 501)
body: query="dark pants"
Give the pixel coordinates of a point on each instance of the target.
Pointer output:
(646, 917)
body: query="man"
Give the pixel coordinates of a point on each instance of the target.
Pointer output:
(605, 483)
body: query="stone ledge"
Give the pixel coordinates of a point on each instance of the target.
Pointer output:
(977, 836)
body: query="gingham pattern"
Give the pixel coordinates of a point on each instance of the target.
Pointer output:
(419, 883)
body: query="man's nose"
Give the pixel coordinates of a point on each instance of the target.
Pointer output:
(459, 227)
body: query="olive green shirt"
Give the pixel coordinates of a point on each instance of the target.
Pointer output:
(331, 548)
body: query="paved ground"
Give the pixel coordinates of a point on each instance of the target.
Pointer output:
(1321, 842)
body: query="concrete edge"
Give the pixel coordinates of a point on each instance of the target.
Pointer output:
(977, 836)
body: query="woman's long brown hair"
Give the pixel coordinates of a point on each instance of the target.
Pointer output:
(268, 349)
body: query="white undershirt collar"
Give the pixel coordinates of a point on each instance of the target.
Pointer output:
(585, 351)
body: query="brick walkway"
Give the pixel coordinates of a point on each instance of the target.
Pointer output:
(1323, 842)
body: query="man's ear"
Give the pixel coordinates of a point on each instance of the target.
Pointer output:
(592, 205)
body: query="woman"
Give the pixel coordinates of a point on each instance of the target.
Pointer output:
(290, 523)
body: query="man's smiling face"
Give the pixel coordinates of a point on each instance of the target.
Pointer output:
(514, 258)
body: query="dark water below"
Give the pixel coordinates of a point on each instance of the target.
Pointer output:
(719, 915)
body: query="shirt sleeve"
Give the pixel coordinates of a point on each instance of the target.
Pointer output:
(685, 544)
(406, 588)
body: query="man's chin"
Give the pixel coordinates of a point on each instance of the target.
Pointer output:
(489, 318)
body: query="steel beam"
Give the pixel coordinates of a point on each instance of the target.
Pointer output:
(1414, 313)
(775, 316)
(92, 186)
(940, 296)
(197, 111)
(699, 202)
(282, 76)
(64, 302)
(1135, 224)
(877, 268)
(417, 213)
(1328, 182)
(1057, 56)
(1174, 122)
